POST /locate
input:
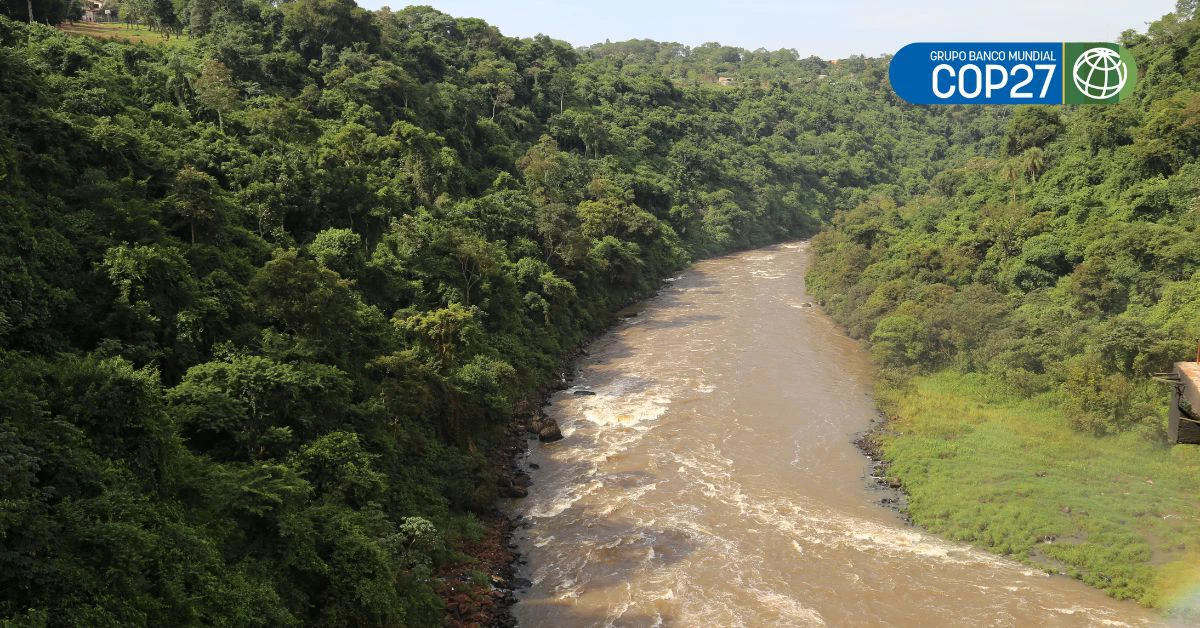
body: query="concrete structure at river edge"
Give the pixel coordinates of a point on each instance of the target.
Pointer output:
(1183, 424)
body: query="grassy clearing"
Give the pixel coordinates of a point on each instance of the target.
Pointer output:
(1011, 475)
(136, 34)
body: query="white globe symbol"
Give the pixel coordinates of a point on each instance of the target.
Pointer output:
(1100, 73)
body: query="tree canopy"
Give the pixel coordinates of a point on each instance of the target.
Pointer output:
(1066, 262)
(268, 297)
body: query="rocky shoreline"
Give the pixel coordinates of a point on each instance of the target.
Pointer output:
(471, 603)
(878, 477)
(474, 604)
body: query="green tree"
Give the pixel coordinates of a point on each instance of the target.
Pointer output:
(215, 89)
(315, 314)
(1032, 127)
(309, 25)
(254, 408)
(196, 198)
(498, 80)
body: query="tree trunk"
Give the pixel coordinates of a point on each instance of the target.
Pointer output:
(29, 5)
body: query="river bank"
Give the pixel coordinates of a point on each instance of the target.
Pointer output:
(707, 474)
(986, 467)
(480, 590)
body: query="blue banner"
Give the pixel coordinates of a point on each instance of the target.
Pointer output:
(1013, 73)
(978, 73)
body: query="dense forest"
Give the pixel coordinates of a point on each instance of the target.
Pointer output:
(268, 296)
(1047, 282)
(1068, 259)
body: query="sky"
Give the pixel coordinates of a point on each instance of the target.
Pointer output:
(831, 29)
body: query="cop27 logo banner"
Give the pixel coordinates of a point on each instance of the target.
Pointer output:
(1057, 73)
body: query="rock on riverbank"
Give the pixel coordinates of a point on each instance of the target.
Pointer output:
(878, 474)
(470, 603)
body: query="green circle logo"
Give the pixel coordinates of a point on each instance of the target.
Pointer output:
(1100, 73)
(1097, 73)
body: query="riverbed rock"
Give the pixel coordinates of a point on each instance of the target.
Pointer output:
(534, 465)
(550, 432)
(583, 393)
(521, 480)
(630, 314)
(514, 492)
(525, 408)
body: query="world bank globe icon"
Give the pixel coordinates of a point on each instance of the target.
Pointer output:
(1100, 73)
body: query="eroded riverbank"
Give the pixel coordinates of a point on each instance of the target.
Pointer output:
(711, 478)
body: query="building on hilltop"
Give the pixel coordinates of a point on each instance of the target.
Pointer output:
(93, 11)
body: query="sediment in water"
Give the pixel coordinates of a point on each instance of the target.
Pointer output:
(743, 502)
(496, 553)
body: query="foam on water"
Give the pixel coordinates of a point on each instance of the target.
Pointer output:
(624, 498)
(564, 498)
(789, 609)
(661, 506)
(617, 409)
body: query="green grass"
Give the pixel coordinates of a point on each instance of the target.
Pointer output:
(1120, 513)
(137, 34)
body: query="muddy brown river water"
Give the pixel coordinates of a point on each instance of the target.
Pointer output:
(711, 481)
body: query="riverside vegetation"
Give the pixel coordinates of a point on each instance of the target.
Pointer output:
(268, 294)
(1017, 307)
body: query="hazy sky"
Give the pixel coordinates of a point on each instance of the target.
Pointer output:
(830, 29)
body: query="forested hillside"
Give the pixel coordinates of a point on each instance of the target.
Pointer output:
(1064, 269)
(267, 296)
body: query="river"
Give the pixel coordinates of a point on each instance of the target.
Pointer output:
(711, 481)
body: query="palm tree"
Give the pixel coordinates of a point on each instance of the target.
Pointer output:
(1035, 162)
(182, 69)
(1012, 172)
